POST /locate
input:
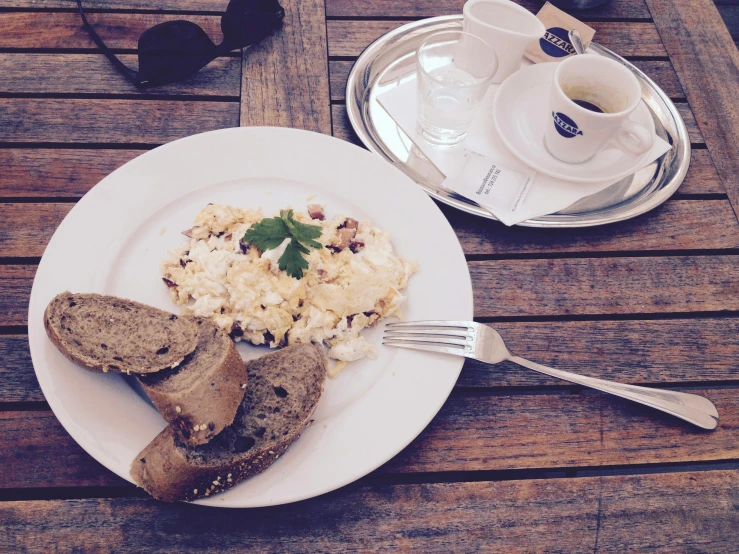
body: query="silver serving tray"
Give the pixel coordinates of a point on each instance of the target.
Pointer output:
(390, 60)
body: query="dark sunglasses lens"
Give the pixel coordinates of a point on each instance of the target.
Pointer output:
(250, 21)
(173, 50)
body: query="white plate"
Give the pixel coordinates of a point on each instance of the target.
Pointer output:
(521, 114)
(113, 240)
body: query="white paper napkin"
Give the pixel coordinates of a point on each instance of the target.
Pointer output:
(516, 199)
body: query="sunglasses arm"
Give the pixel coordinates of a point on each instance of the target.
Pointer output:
(129, 73)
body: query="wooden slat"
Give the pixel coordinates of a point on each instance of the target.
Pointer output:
(349, 38)
(27, 228)
(694, 132)
(285, 78)
(669, 513)
(707, 64)
(57, 461)
(702, 177)
(94, 74)
(661, 72)
(470, 433)
(15, 284)
(678, 225)
(57, 172)
(110, 121)
(473, 433)
(641, 352)
(159, 5)
(566, 287)
(71, 173)
(16, 371)
(624, 9)
(22, 30)
(342, 127)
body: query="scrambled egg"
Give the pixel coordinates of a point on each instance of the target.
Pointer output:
(350, 284)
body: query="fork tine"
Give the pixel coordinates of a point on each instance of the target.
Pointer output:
(426, 347)
(436, 323)
(429, 340)
(441, 332)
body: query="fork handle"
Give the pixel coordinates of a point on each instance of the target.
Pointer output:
(692, 408)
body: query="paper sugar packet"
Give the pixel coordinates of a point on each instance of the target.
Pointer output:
(555, 45)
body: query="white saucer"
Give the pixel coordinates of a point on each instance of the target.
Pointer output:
(521, 114)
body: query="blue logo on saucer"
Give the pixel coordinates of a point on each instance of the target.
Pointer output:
(556, 43)
(565, 126)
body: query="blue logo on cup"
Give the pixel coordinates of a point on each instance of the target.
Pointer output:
(565, 126)
(556, 43)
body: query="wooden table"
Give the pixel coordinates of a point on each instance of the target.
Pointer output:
(514, 461)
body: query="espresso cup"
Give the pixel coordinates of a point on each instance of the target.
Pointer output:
(506, 27)
(591, 100)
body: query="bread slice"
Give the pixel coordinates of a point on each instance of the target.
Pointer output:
(284, 388)
(106, 333)
(199, 397)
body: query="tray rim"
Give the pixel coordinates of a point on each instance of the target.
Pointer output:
(655, 193)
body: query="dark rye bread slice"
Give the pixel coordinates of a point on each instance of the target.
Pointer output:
(200, 396)
(107, 333)
(284, 388)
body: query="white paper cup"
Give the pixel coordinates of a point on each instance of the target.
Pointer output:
(506, 27)
(575, 133)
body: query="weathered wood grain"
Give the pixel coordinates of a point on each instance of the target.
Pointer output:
(702, 177)
(677, 225)
(59, 120)
(50, 172)
(595, 286)
(470, 433)
(41, 443)
(25, 30)
(668, 513)
(16, 371)
(15, 284)
(285, 78)
(639, 352)
(694, 132)
(661, 72)
(143, 5)
(43, 172)
(625, 9)
(28, 227)
(707, 63)
(642, 352)
(94, 74)
(342, 127)
(349, 38)
(473, 433)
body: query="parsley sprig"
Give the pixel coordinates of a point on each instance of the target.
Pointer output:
(271, 232)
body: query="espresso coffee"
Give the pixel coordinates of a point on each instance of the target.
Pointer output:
(588, 105)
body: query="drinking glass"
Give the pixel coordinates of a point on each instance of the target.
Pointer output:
(454, 72)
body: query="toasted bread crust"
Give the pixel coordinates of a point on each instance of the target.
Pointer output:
(165, 470)
(55, 311)
(211, 405)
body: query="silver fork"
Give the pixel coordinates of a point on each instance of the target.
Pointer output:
(483, 343)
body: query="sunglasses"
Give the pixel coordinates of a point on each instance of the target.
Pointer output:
(174, 50)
